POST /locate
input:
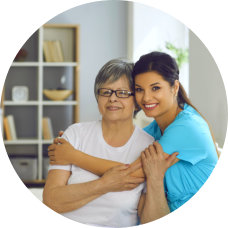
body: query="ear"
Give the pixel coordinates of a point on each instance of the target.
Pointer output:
(176, 87)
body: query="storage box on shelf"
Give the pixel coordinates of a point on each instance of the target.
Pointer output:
(49, 60)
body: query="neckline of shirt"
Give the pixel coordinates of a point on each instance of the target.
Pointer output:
(117, 148)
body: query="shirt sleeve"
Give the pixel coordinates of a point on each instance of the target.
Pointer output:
(189, 138)
(72, 136)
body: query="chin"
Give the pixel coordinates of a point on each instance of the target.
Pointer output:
(152, 115)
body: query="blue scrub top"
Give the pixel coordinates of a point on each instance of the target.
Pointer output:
(189, 135)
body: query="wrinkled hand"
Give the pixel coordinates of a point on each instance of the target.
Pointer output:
(155, 163)
(119, 178)
(60, 152)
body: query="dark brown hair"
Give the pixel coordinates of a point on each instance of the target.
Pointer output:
(166, 66)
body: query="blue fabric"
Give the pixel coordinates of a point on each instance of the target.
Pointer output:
(190, 136)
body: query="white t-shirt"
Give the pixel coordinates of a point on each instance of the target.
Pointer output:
(114, 209)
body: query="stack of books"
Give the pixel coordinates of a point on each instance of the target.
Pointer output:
(53, 51)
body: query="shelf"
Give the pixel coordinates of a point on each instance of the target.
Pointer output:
(45, 64)
(21, 141)
(27, 141)
(33, 71)
(32, 103)
(25, 64)
(13, 103)
(47, 141)
(60, 103)
(59, 64)
(34, 184)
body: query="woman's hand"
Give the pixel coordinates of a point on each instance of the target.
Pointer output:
(61, 152)
(119, 178)
(155, 163)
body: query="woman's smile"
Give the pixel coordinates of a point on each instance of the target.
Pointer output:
(150, 106)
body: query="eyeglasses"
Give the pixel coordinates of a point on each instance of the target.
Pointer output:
(119, 93)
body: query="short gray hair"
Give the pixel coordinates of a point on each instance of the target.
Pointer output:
(112, 71)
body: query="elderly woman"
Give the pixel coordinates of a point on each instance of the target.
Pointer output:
(111, 200)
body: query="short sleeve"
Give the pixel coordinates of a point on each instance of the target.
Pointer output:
(72, 136)
(153, 130)
(190, 138)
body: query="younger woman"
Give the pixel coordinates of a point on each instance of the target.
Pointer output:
(178, 126)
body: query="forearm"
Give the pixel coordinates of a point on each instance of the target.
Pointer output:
(99, 166)
(93, 164)
(155, 205)
(71, 197)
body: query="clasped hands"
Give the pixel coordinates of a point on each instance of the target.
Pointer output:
(153, 161)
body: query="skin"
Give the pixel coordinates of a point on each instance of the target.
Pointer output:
(117, 114)
(151, 89)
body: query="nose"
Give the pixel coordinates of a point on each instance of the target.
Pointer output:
(113, 97)
(147, 96)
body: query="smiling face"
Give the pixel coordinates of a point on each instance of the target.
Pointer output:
(114, 108)
(155, 95)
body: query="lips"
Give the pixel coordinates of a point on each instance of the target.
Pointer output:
(113, 108)
(150, 106)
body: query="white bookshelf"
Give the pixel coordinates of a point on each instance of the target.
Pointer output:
(37, 75)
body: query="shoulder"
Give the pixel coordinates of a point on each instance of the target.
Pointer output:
(79, 130)
(84, 126)
(188, 121)
(142, 134)
(189, 134)
(151, 127)
(153, 130)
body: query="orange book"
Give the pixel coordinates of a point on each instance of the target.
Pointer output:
(7, 128)
(47, 128)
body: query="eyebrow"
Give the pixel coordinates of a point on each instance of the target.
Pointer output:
(123, 88)
(150, 84)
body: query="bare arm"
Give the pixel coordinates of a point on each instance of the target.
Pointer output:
(64, 198)
(61, 197)
(62, 152)
(153, 204)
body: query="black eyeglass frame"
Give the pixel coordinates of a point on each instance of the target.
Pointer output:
(115, 91)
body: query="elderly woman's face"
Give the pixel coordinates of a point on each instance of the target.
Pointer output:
(114, 108)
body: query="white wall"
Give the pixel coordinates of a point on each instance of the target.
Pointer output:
(206, 89)
(103, 36)
(151, 29)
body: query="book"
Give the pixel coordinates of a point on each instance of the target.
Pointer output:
(58, 50)
(47, 128)
(47, 52)
(12, 127)
(53, 51)
(9, 127)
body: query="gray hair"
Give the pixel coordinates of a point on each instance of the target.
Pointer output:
(112, 71)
